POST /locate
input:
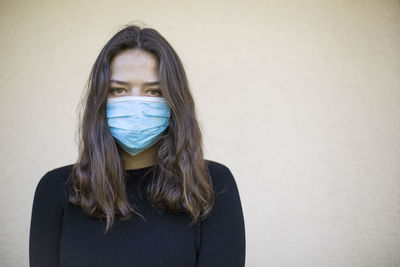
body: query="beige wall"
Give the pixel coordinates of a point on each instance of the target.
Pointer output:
(300, 99)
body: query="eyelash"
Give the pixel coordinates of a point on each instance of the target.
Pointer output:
(112, 90)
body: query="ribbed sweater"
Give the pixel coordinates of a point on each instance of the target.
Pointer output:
(61, 235)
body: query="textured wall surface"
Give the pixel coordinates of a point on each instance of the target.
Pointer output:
(300, 99)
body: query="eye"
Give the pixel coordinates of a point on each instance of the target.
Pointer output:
(155, 92)
(117, 91)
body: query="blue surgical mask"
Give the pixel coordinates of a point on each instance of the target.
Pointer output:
(137, 122)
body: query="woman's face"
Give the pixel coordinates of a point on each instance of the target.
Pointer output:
(134, 72)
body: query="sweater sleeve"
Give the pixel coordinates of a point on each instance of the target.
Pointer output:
(46, 222)
(222, 234)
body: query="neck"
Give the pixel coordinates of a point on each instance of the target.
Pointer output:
(144, 159)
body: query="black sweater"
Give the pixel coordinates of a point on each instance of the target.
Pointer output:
(62, 235)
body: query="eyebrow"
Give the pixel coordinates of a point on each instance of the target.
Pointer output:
(127, 83)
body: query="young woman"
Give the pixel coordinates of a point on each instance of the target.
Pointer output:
(140, 193)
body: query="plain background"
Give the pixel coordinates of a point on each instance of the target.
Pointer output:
(300, 99)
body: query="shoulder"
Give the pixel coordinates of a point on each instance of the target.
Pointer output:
(53, 184)
(221, 176)
(56, 176)
(60, 173)
(215, 166)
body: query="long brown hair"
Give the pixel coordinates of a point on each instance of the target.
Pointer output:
(182, 182)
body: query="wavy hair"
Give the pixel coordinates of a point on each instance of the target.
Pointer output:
(181, 180)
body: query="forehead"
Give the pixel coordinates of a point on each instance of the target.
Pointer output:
(134, 63)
